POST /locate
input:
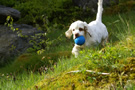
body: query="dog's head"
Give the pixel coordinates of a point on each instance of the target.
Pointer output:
(77, 28)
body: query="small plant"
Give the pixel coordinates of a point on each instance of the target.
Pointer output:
(41, 42)
(9, 23)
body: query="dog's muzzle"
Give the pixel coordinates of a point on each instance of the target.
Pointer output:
(76, 35)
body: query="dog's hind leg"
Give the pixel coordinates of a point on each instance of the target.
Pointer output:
(104, 41)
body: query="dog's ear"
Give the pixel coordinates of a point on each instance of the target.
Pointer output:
(68, 33)
(85, 26)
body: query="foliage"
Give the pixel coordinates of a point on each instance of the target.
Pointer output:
(49, 70)
(111, 59)
(8, 3)
(59, 11)
(40, 42)
(55, 10)
(39, 54)
(123, 6)
(9, 23)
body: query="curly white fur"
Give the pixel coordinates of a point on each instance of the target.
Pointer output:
(95, 32)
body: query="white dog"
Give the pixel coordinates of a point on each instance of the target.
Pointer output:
(95, 32)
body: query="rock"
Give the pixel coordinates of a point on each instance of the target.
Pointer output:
(11, 44)
(92, 4)
(7, 11)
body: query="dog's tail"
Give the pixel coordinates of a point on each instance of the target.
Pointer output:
(100, 10)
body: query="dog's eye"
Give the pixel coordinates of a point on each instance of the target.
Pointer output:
(73, 29)
(80, 29)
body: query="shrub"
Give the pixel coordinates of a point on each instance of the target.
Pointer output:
(57, 11)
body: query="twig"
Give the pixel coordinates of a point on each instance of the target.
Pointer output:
(90, 71)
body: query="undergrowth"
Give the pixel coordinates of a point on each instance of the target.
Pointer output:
(117, 59)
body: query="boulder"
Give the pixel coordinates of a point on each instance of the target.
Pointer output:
(11, 44)
(7, 11)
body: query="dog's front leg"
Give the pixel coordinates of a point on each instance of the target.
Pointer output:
(76, 49)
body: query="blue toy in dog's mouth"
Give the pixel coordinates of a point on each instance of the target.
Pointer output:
(79, 40)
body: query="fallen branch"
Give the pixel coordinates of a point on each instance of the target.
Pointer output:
(90, 71)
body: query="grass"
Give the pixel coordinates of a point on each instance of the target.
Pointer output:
(111, 59)
(117, 58)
